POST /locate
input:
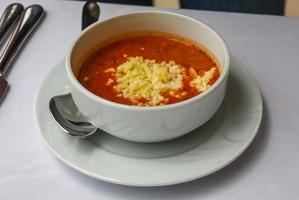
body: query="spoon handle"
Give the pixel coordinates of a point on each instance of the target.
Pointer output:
(29, 18)
(90, 13)
(10, 14)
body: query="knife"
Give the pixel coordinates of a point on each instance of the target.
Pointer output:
(11, 13)
(28, 20)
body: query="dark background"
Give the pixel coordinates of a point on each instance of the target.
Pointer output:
(274, 7)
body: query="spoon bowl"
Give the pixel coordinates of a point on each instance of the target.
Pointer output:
(69, 118)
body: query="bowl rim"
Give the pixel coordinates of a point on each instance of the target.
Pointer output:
(86, 92)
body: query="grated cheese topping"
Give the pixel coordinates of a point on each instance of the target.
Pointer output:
(201, 83)
(144, 81)
(110, 81)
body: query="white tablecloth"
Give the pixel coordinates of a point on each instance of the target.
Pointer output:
(269, 169)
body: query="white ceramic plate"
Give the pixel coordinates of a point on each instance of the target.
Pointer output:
(199, 153)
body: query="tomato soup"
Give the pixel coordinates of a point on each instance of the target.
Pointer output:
(149, 70)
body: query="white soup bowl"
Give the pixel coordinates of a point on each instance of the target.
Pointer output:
(156, 123)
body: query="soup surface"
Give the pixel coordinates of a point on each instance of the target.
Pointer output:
(149, 70)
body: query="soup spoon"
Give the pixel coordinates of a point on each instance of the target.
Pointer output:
(69, 118)
(62, 107)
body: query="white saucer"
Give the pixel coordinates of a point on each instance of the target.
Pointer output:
(199, 153)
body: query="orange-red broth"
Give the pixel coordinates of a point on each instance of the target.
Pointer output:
(92, 74)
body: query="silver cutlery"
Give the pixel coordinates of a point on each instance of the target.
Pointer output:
(69, 118)
(90, 13)
(62, 107)
(9, 16)
(28, 20)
